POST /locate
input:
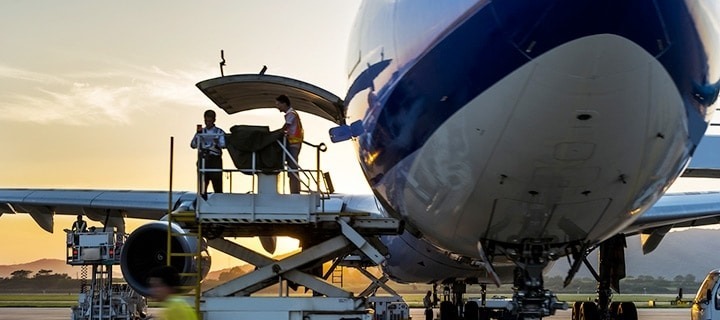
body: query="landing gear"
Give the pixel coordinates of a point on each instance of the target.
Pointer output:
(452, 305)
(530, 300)
(612, 269)
(452, 308)
(530, 296)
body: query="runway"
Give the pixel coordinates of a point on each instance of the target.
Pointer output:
(417, 314)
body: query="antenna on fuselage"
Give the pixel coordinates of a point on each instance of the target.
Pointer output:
(222, 63)
(262, 72)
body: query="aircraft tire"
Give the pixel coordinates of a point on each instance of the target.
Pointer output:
(472, 311)
(589, 311)
(448, 311)
(627, 311)
(615, 310)
(576, 310)
(484, 314)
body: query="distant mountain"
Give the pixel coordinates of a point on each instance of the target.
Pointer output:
(680, 253)
(56, 265)
(236, 271)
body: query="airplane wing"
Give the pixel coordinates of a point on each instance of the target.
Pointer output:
(675, 210)
(688, 209)
(98, 205)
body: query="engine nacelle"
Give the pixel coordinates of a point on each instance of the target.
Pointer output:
(146, 249)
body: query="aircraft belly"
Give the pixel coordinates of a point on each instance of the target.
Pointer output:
(414, 260)
(571, 146)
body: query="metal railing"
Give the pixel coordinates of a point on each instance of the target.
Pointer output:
(317, 179)
(309, 178)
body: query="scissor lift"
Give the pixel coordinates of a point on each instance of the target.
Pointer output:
(329, 233)
(101, 298)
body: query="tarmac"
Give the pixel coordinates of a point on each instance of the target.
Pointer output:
(417, 314)
(643, 314)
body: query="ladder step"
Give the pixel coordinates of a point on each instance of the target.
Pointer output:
(186, 222)
(184, 234)
(188, 274)
(184, 217)
(187, 287)
(182, 254)
(184, 214)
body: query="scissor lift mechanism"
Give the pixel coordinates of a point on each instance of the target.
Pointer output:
(270, 214)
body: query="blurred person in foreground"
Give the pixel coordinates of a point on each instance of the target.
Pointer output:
(164, 283)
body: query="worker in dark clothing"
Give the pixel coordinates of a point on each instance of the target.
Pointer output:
(427, 303)
(210, 140)
(79, 225)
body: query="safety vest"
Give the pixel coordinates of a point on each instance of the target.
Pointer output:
(178, 309)
(79, 226)
(295, 136)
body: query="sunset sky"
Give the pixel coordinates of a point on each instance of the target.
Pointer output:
(92, 91)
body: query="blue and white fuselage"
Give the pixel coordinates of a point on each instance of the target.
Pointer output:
(505, 134)
(503, 121)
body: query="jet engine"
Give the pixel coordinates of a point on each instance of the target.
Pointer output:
(146, 249)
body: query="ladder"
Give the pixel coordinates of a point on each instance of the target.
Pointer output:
(337, 276)
(190, 228)
(101, 283)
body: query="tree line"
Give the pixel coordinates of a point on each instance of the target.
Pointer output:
(642, 284)
(23, 281)
(43, 281)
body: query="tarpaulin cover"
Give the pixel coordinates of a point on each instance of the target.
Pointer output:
(243, 140)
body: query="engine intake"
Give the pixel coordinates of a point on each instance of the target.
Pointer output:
(146, 249)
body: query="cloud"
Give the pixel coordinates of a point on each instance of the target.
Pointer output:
(24, 75)
(95, 97)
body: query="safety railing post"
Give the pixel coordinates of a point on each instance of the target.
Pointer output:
(317, 168)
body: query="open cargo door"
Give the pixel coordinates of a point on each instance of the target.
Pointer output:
(244, 92)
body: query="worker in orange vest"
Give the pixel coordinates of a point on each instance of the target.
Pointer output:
(294, 133)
